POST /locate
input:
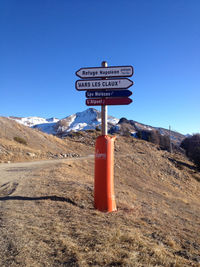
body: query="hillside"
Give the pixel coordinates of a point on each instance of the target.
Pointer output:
(47, 216)
(38, 145)
(132, 127)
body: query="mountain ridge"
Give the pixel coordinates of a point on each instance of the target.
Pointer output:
(90, 119)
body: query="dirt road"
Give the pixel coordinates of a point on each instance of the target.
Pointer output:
(23, 186)
(14, 172)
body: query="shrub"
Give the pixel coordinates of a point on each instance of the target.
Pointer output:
(89, 131)
(156, 138)
(139, 134)
(126, 132)
(192, 148)
(20, 140)
(98, 129)
(75, 134)
(164, 142)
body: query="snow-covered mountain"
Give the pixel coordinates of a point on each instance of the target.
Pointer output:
(32, 121)
(86, 120)
(91, 119)
(45, 125)
(80, 121)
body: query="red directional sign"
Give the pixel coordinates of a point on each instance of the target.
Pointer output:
(108, 101)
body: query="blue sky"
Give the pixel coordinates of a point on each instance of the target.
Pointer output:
(44, 42)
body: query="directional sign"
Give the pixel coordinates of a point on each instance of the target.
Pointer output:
(119, 71)
(113, 93)
(82, 85)
(108, 101)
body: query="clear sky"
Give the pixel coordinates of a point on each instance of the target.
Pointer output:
(44, 42)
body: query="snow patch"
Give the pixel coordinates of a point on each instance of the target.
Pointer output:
(80, 121)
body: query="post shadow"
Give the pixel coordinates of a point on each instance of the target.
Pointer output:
(52, 198)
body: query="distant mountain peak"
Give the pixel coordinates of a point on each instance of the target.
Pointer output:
(90, 119)
(80, 121)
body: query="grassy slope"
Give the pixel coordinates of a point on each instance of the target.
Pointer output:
(42, 145)
(157, 222)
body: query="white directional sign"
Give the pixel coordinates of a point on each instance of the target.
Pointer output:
(114, 84)
(119, 71)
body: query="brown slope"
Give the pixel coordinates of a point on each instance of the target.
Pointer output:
(39, 145)
(49, 219)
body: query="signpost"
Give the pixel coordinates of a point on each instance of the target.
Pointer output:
(105, 86)
(123, 83)
(108, 101)
(113, 93)
(119, 71)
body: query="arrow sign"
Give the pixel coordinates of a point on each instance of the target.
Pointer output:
(108, 101)
(114, 93)
(124, 83)
(119, 71)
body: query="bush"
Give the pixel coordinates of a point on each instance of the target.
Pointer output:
(89, 131)
(192, 148)
(126, 132)
(20, 140)
(156, 138)
(139, 134)
(164, 142)
(75, 134)
(98, 129)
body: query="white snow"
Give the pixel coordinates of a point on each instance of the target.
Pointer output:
(32, 121)
(134, 134)
(113, 120)
(88, 119)
(46, 127)
(77, 127)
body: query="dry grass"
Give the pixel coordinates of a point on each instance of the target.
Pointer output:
(49, 220)
(38, 144)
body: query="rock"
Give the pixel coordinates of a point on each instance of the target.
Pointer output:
(30, 154)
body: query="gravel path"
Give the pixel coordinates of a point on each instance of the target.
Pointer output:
(16, 171)
(17, 176)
